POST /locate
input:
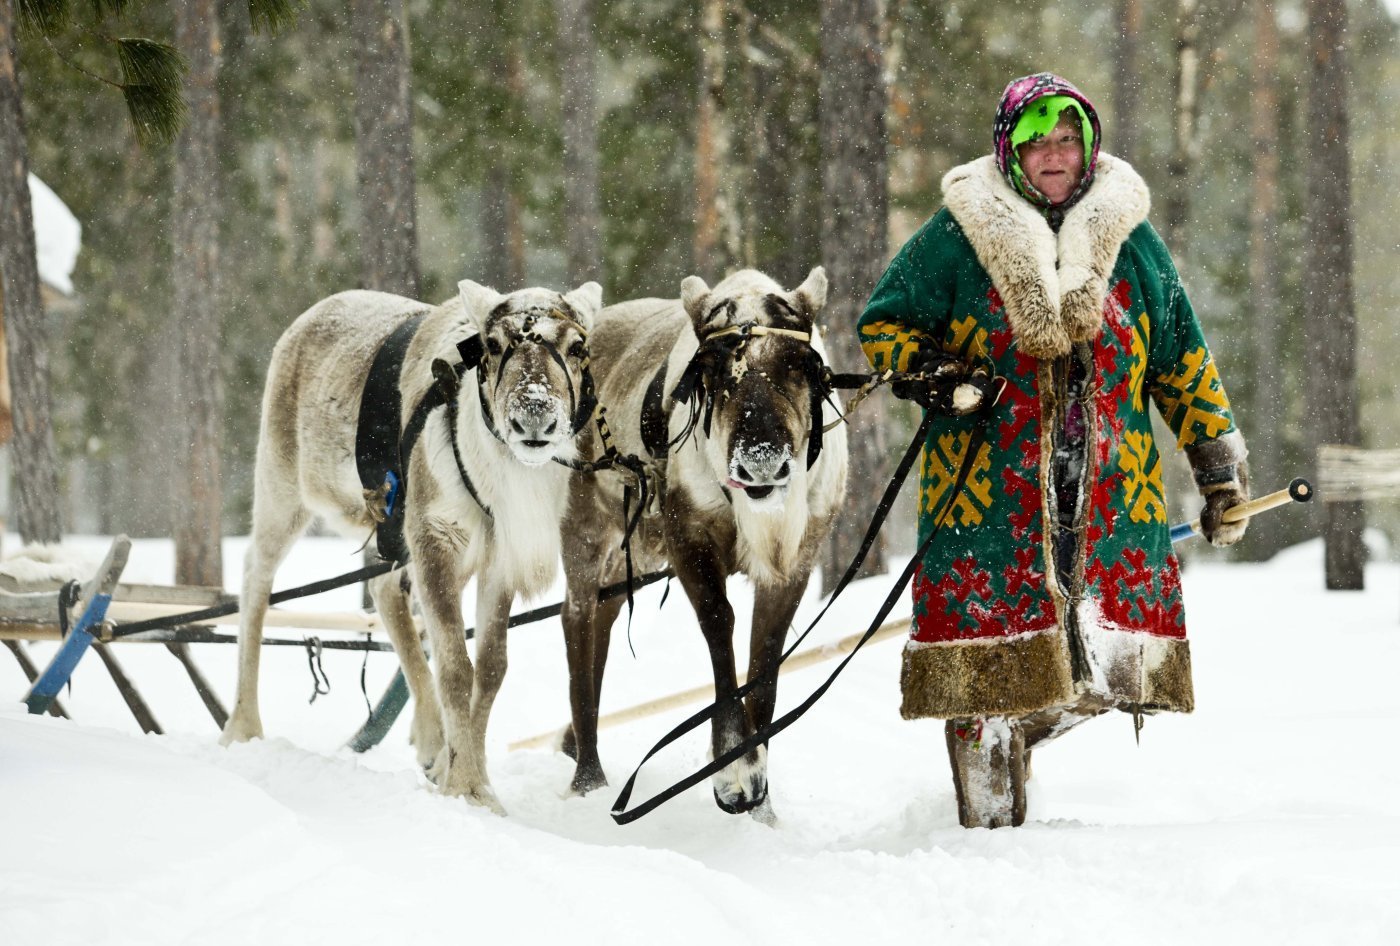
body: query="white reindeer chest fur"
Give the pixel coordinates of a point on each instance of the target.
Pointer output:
(518, 545)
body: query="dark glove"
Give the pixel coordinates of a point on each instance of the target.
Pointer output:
(946, 384)
(1218, 499)
(1222, 476)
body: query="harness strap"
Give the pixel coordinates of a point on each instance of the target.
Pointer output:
(977, 437)
(378, 458)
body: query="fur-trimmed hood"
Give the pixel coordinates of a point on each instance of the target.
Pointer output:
(1053, 285)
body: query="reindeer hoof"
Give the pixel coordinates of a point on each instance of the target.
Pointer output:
(240, 729)
(568, 743)
(763, 812)
(586, 781)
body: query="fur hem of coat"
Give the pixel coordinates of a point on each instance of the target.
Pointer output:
(1138, 669)
(1018, 676)
(1007, 677)
(1053, 285)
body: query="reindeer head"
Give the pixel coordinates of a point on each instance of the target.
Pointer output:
(535, 389)
(756, 380)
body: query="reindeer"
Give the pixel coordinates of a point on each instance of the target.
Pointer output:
(733, 416)
(482, 497)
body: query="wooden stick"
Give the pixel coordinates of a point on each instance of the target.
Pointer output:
(797, 661)
(144, 717)
(201, 685)
(32, 672)
(1299, 491)
(352, 621)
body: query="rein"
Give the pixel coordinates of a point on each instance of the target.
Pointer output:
(976, 438)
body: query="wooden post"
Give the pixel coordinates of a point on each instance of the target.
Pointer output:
(31, 673)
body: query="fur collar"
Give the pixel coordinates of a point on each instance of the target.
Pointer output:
(1053, 285)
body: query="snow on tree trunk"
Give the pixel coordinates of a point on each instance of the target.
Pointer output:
(35, 468)
(1333, 397)
(578, 53)
(384, 148)
(199, 408)
(854, 240)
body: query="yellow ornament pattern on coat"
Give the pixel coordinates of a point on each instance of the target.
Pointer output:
(939, 471)
(1142, 338)
(965, 339)
(889, 344)
(1144, 497)
(1192, 399)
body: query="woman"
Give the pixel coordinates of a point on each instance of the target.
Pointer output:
(1051, 594)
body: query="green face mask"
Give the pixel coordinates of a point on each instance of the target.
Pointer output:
(1039, 120)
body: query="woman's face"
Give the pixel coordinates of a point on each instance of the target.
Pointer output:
(1054, 164)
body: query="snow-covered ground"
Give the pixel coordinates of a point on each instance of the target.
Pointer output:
(1268, 816)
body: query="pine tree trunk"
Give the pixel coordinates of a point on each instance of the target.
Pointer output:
(854, 240)
(35, 467)
(716, 244)
(1185, 121)
(384, 148)
(1127, 73)
(502, 229)
(578, 53)
(1263, 419)
(1333, 397)
(199, 408)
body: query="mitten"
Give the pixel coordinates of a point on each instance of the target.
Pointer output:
(1222, 476)
(1218, 499)
(948, 385)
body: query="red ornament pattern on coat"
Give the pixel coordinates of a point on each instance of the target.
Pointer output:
(1140, 595)
(960, 605)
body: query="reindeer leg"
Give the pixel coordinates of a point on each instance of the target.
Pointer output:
(773, 609)
(743, 784)
(391, 600)
(278, 518)
(580, 605)
(458, 769)
(493, 600)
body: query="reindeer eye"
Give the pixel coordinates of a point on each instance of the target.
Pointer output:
(578, 350)
(493, 346)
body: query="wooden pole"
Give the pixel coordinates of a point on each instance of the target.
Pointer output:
(144, 717)
(662, 704)
(32, 673)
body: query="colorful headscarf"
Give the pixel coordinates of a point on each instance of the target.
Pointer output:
(1016, 122)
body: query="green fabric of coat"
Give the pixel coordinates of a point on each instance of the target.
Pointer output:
(987, 280)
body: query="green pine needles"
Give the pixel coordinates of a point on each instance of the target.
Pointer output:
(273, 15)
(153, 75)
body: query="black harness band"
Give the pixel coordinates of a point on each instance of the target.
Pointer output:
(378, 458)
(977, 437)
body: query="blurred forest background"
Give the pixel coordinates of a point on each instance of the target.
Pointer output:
(710, 104)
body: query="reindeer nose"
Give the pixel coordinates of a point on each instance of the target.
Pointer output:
(761, 466)
(534, 420)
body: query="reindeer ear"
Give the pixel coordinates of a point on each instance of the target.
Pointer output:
(811, 295)
(694, 293)
(586, 301)
(478, 301)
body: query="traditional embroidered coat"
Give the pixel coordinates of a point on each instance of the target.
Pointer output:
(988, 280)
